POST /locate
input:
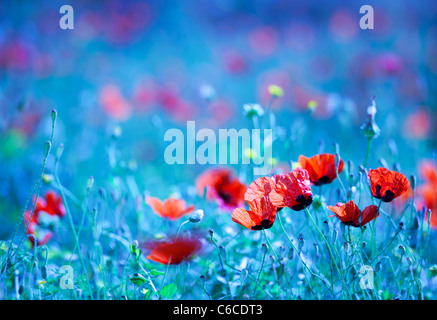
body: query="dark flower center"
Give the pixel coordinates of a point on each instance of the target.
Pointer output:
(265, 224)
(302, 202)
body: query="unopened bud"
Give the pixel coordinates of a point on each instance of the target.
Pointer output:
(196, 216)
(265, 248)
(325, 228)
(59, 151)
(54, 116)
(90, 182)
(48, 147)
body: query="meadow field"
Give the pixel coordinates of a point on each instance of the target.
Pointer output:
(218, 150)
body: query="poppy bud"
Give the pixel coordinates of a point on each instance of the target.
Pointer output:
(203, 278)
(402, 249)
(291, 253)
(316, 247)
(20, 289)
(44, 272)
(325, 228)
(90, 182)
(265, 247)
(211, 232)
(301, 243)
(59, 151)
(54, 116)
(346, 247)
(48, 147)
(370, 128)
(413, 182)
(196, 216)
(363, 244)
(123, 297)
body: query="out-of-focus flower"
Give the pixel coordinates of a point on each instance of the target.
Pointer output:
(262, 213)
(234, 62)
(343, 25)
(45, 210)
(263, 40)
(175, 106)
(253, 109)
(428, 190)
(170, 208)
(276, 91)
(386, 184)
(417, 125)
(113, 103)
(389, 63)
(222, 187)
(350, 214)
(292, 190)
(173, 251)
(321, 168)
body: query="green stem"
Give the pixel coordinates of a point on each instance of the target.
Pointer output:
(330, 252)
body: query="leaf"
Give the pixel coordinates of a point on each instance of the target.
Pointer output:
(138, 279)
(146, 293)
(155, 272)
(169, 290)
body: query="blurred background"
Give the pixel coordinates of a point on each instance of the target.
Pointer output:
(134, 69)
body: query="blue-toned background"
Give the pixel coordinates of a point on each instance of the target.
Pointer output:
(148, 66)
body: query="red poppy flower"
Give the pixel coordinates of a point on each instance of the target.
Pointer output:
(174, 251)
(292, 190)
(221, 186)
(321, 168)
(350, 214)
(171, 208)
(428, 171)
(262, 213)
(53, 206)
(386, 184)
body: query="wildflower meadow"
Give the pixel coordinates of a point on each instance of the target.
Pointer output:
(218, 150)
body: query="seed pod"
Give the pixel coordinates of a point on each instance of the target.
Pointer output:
(291, 253)
(402, 249)
(48, 147)
(301, 243)
(325, 228)
(346, 247)
(44, 272)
